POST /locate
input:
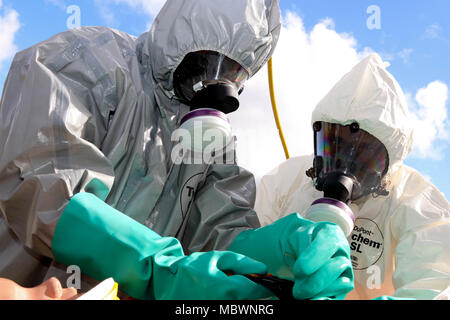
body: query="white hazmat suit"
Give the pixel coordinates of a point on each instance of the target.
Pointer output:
(400, 244)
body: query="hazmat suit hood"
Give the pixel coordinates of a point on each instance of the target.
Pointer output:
(245, 31)
(371, 96)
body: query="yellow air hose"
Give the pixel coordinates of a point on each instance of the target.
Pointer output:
(274, 108)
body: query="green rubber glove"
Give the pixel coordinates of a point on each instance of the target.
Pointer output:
(314, 255)
(105, 243)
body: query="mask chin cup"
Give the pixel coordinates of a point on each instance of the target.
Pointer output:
(220, 96)
(332, 210)
(205, 130)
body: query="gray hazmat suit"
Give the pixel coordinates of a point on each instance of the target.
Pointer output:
(93, 110)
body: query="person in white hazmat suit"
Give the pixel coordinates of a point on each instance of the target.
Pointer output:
(400, 243)
(88, 173)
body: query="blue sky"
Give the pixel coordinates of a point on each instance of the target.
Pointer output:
(414, 36)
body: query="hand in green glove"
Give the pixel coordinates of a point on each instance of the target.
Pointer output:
(315, 255)
(105, 243)
(202, 276)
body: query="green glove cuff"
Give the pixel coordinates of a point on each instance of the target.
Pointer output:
(105, 243)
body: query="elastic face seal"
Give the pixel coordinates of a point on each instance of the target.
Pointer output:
(207, 79)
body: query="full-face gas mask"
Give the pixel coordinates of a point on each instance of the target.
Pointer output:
(349, 164)
(208, 79)
(210, 83)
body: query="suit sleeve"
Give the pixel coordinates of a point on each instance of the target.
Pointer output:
(421, 226)
(53, 118)
(278, 187)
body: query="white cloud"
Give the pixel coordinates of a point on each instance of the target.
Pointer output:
(433, 31)
(148, 7)
(58, 3)
(306, 66)
(106, 13)
(430, 118)
(9, 25)
(405, 54)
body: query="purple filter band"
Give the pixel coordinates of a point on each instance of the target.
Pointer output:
(204, 112)
(338, 204)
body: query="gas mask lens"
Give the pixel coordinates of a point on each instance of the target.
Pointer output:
(350, 159)
(208, 79)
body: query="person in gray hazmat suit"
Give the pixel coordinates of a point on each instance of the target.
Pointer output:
(88, 176)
